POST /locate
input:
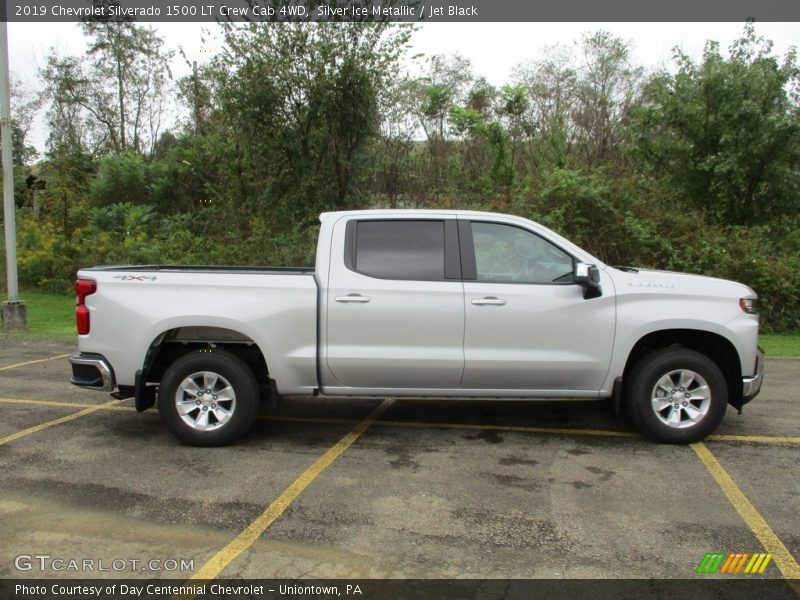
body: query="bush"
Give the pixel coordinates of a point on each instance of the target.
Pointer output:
(121, 178)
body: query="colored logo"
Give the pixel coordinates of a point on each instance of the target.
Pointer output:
(734, 563)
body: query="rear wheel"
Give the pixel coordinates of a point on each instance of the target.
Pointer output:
(208, 398)
(676, 395)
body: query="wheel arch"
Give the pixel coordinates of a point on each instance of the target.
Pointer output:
(716, 347)
(173, 343)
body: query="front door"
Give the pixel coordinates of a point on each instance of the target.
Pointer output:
(527, 325)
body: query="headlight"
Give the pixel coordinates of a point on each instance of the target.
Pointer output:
(749, 305)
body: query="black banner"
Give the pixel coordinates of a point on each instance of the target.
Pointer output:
(733, 588)
(400, 10)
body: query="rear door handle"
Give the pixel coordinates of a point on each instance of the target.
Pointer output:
(352, 298)
(488, 300)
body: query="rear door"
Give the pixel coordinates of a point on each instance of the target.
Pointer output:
(528, 326)
(395, 305)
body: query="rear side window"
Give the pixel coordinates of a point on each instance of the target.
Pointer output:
(400, 249)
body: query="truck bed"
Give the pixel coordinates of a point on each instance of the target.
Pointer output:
(275, 308)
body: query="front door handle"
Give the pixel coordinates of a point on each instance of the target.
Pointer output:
(488, 300)
(352, 298)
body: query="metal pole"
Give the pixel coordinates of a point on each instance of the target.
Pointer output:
(13, 311)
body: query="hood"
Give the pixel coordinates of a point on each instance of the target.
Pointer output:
(629, 280)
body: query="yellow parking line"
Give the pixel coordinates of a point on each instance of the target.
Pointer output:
(248, 537)
(323, 420)
(769, 540)
(517, 428)
(33, 362)
(57, 404)
(47, 424)
(756, 439)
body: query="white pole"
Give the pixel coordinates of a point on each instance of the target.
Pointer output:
(8, 168)
(13, 313)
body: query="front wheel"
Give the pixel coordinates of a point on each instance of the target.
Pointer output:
(208, 398)
(676, 395)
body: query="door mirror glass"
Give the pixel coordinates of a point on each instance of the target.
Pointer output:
(588, 276)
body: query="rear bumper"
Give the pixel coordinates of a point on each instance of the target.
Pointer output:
(91, 371)
(751, 386)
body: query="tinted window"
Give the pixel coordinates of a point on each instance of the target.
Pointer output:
(507, 254)
(401, 249)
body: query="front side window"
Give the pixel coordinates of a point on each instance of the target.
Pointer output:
(400, 249)
(508, 254)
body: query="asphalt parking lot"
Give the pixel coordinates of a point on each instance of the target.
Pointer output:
(394, 489)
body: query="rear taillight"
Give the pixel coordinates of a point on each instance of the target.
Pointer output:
(83, 288)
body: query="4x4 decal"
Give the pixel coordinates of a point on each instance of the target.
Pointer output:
(136, 277)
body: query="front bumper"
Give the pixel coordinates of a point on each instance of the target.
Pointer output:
(91, 371)
(751, 386)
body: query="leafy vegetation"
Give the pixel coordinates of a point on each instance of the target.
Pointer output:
(695, 169)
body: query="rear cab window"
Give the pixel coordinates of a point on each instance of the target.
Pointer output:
(406, 249)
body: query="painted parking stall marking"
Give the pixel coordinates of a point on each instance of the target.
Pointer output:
(250, 535)
(47, 424)
(60, 404)
(784, 560)
(33, 362)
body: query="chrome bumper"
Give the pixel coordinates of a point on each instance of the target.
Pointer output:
(91, 371)
(752, 385)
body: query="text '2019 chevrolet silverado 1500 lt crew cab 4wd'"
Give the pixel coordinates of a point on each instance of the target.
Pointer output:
(424, 304)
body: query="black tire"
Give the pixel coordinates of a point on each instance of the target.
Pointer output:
(234, 379)
(708, 391)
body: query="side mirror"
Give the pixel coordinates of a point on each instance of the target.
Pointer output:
(588, 277)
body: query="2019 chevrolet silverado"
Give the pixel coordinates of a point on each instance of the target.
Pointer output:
(425, 304)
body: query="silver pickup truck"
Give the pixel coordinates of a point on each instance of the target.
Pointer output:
(425, 304)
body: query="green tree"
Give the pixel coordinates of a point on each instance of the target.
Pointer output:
(468, 125)
(393, 150)
(512, 108)
(178, 181)
(445, 82)
(299, 104)
(121, 178)
(194, 92)
(724, 133)
(114, 99)
(131, 69)
(69, 125)
(487, 151)
(24, 105)
(67, 172)
(551, 85)
(607, 90)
